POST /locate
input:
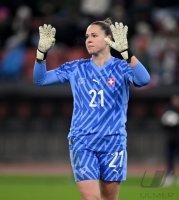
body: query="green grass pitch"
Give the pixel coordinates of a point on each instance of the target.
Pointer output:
(63, 188)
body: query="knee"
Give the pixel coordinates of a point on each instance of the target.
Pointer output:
(109, 195)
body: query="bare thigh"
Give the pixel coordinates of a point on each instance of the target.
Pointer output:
(89, 189)
(109, 190)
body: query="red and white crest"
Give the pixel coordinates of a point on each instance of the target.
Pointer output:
(111, 81)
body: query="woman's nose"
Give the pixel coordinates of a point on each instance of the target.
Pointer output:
(89, 40)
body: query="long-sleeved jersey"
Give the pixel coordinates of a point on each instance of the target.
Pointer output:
(100, 95)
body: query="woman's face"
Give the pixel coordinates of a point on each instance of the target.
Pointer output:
(95, 39)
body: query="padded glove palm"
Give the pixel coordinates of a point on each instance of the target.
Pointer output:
(120, 43)
(46, 41)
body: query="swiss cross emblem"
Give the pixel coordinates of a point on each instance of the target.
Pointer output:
(111, 81)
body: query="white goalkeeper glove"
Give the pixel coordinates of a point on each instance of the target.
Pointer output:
(46, 41)
(120, 43)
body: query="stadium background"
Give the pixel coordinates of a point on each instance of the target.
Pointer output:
(34, 122)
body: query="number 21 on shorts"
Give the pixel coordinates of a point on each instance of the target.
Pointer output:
(113, 164)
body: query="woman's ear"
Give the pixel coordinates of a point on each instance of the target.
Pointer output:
(110, 37)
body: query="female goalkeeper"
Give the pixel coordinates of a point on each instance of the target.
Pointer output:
(97, 137)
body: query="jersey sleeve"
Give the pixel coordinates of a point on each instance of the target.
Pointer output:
(57, 76)
(137, 75)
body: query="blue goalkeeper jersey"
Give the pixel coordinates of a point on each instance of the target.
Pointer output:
(100, 95)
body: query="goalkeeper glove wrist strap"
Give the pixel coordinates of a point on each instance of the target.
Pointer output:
(40, 56)
(127, 55)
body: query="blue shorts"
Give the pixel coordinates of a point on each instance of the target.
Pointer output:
(88, 164)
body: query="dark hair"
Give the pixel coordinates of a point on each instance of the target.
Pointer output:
(105, 25)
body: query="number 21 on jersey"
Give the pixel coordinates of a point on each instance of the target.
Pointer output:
(94, 95)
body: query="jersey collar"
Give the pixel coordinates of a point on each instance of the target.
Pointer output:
(102, 66)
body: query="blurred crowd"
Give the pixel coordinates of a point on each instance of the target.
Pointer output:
(153, 32)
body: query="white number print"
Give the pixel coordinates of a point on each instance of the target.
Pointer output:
(121, 154)
(94, 95)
